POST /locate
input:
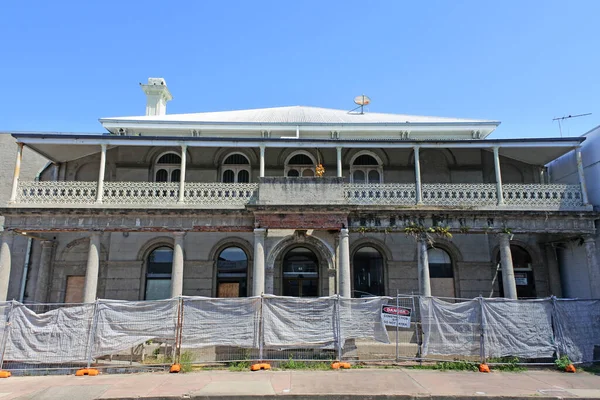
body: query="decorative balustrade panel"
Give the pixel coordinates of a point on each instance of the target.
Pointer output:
(56, 193)
(459, 194)
(141, 193)
(542, 196)
(380, 194)
(220, 194)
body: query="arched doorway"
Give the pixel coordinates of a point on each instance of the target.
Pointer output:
(158, 274)
(300, 273)
(524, 278)
(232, 273)
(367, 265)
(441, 272)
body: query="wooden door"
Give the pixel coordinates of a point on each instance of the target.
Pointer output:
(74, 292)
(228, 289)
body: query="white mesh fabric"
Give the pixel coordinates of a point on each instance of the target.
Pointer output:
(577, 325)
(121, 325)
(361, 319)
(56, 336)
(221, 322)
(450, 329)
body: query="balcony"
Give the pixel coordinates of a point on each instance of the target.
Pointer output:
(298, 191)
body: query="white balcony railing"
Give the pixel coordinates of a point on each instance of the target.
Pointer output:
(380, 194)
(56, 193)
(545, 196)
(459, 194)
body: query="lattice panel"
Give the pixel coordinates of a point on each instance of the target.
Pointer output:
(543, 196)
(220, 194)
(380, 194)
(459, 194)
(59, 193)
(141, 193)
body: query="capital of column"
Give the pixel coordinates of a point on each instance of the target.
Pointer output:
(344, 233)
(589, 239)
(178, 235)
(47, 243)
(260, 231)
(7, 235)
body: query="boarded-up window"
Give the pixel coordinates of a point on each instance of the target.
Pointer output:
(74, 292)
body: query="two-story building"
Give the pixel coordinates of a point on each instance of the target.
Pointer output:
(236, 203)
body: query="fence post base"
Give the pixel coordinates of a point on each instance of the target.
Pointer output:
(484, 368)
(87, 371)
(259, 366)
(4, 374)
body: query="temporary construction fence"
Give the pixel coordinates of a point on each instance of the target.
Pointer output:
(116, 335)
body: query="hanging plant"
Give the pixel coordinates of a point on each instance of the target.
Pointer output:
(320, 171)
(419, 231)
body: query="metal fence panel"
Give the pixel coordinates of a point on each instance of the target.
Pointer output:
(577, 326)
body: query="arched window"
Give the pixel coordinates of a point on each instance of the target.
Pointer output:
(366, 168)
(235, 169)
(367, 265)
(158, 274)
(167, 168)
(441, 272)
(232, 273)
(524, 278)
(300, 273)
(300, 163)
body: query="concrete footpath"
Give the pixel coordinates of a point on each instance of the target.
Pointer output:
(331, 385)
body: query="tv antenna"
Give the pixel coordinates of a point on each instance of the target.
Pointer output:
(567, 117)
(361, 101)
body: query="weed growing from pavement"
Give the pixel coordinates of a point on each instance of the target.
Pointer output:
(448, 366)
(294, 364)
(239, 366)
(508, 364)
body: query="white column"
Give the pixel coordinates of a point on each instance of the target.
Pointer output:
(262, 161)
(553, 271)
(5, 263)
(508, 274)
(93, 267)
(423, 267)
(584, 194)
(100, 189)
(182, 175)
(418, 175)
(344, 273)
(41, 285)
(339, 161)
(498, 177)
(593, 266)
(13, 194)
(177, 272)
(542, 175)
(258, 273)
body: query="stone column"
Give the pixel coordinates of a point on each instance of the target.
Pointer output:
(5, 263)
(508, 274)
(93, 268)
(418, 176)
(339, 161)
(181, 199)
(15, 185)
(41, 286)
(262, 161)
(345, 285)
(177, 272)
(584, 194)
(423, 267)
(553, 271)
(258, 273)
(100, 187)
(593, 266)
(498, 177)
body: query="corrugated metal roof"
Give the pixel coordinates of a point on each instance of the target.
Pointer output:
(297, 115)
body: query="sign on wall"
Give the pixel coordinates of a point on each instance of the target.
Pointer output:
(395, 314)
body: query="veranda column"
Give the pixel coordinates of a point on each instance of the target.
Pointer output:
(262, 161)
(345, 286)
(41, 286)
(258, 273)
(339, 161)
(100, 189)
(423, 267)
(5, 262)
(417, 176)
(13, 194)
(177, 273)
(182, 175)
(498, 177)
(508, 273)
(93, 267)
(553, 271)
(593, 266)
(584, 194)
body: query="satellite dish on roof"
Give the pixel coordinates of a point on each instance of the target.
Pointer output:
(362, 100)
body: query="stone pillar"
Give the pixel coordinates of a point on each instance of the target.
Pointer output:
(258, 273)
(100, 188)
(262, 161)
(93, 267)
(498, 177)
(553, 271)
(345, 285)
(339, 161)
(593, 266)
(5, 262)
(177, 272)
(508, 274)
(15, 185)
(423, 267)
(418, 176)
(584, 194)
(181, 199)
(41, 286)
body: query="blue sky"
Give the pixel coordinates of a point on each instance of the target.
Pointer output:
(66, 64)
